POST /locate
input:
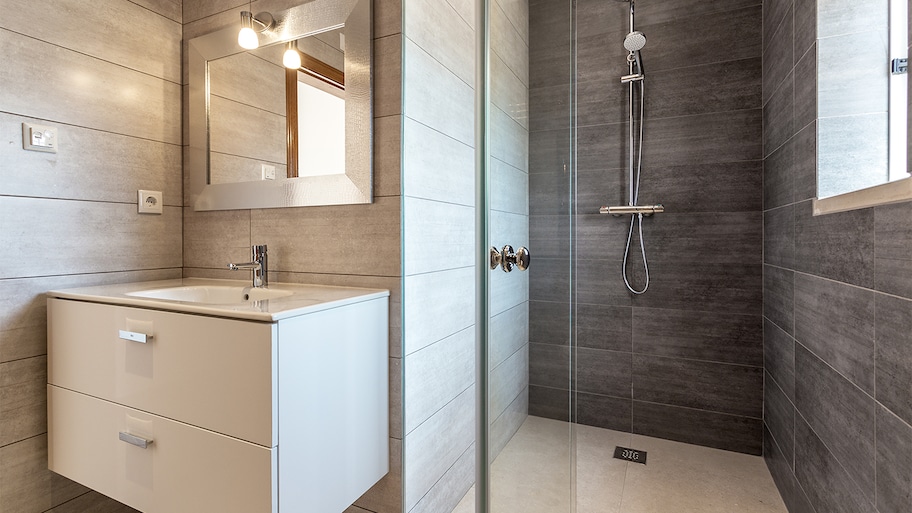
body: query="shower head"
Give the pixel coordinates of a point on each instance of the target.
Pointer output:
(635, 41)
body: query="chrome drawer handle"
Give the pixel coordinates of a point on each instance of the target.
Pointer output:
(142, 443)
(134, 336)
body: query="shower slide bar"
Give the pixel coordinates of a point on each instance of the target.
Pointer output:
(646, 210)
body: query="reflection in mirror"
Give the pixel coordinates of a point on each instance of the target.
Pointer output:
(862, 104)
(263, 135)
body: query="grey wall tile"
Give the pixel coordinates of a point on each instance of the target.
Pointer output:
(806, 88)
(25, 482)
(724, 288)
(510, 186)
(778, 57)
(779, 297)
(805, 25)
(508, 92)
(779, 176)
(604, 327)
(604, 411)
(709, 336)
(436, 374)
(549, 366)
(893, 343)
(23, 399)
(668, 11)
(440, 304)
(550, 107)
(823, 478)
(439, 30)
(93, 501)
(805, 148)
(452, 487)
(603, 372)
(508, 381)
(708, 238)
(551, 403)
(509, 140)
(779, 115)
(230, 133)
(447, 228)
(792, 494)
(840, 414)
(148, 106)
(702, 139)
(548, 280)
(507, 332)
(711, 429)
(779, 419)
(549, 322)
(507, 42)
(436, 166)
(779, 236)
(507, 423)
(715, 187)
(774, 14)
(717, 87)
(894, 463)
(779, 357)
(838, 246)
(424, 79)
(842, 17)
(836, 322)
(892, 246)
(724, 388)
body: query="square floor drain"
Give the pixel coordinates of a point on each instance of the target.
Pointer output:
(623, 453)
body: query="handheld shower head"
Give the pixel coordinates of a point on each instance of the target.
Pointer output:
(635, 41)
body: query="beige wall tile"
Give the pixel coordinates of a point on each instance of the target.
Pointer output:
(197, 9)
(23, 399)
(437, 305)
(387, 69)
(438, 236)
(345, 239)
(26, 484)
(89, 165)
(517, 12)
(68, 87)
(387, 17)
(215, 239)
(436, 97)
(436, 166)
(156, 53)
(466, 10)
(429, 453)
(226, 168)
(388, 156)
(93, 502)
(19, 343)
(248, 79)
(62, 236)
(171, 9)
(239, 129)
(436, 374)
(439, 30)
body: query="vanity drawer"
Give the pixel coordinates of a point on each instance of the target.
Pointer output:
(214, 373)
(184, 469)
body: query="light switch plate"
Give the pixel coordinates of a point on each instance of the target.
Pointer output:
(268, 172)
(39, 137)
(150, 202)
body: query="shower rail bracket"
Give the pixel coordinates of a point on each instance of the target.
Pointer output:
(646, 210)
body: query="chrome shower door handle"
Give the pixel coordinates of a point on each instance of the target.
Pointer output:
(507, 258)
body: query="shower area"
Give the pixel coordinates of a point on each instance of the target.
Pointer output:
(624, 149)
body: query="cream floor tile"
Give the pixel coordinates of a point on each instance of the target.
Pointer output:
(533, 474)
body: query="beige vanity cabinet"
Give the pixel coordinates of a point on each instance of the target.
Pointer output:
(173, 412)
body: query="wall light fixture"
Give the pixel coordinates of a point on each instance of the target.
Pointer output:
(248, 37)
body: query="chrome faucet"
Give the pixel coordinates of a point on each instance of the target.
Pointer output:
(258, 265)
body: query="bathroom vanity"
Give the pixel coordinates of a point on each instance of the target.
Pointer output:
(199, 395)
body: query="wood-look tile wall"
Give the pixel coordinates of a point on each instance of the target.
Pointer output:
(837, 308)
(439, 211)
(348, 245)
(684, 360)
(69, 219)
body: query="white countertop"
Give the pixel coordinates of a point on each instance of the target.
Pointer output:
(304, 299)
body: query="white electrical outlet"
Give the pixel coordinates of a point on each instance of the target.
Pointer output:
(268, 172)
(39, 137)
(150, 202)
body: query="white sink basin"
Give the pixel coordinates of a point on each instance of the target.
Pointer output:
(212, 294)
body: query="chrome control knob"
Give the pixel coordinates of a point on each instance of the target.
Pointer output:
(507, 258)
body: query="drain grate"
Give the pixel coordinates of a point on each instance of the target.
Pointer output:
(634, 455)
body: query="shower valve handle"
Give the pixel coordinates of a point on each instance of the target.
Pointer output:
(506, 258)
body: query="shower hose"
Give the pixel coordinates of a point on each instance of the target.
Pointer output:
(637, 219)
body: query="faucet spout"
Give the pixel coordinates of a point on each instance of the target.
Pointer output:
(258, 266)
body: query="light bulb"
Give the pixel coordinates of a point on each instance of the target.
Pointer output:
(248, 39)
(291, 59)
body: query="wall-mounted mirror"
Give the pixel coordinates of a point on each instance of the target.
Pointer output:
(263, 135)
(862, 95)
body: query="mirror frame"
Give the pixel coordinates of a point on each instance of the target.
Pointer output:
(356, 185)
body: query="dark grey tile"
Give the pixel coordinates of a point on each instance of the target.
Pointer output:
(686, 41)
(700, 427)
(840, 414)
(722, 288)
(836, 322)
(604, 411)
(602, 59)
(805, 25)
(549, 193)
(778, 58)
(551, 403)
(549, 279)
(598, 188)
(774, 14)
(601, 237)
(603, 372)
(549, 366)
(893, 249)
(549, 151)
(600, 283)
(893, 342)
(825, 481)
(779, 176)
(599, 147)
(779, 236)
(595, 17)
(717, 87)
(708, 238)
(838, 246)
(718, 387)
(805, 151)
(549, 56)
(604, 327)
(549, 107)
(714, 187)
(549, 322)
(779, 418)
(779, 116)
(779, 357)
(792, 495)
(779, 297)
(663, 11)
(600, 104)
(702, 139)
(710, 336)
(894, 463)
(549, 235)
(806, 89)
